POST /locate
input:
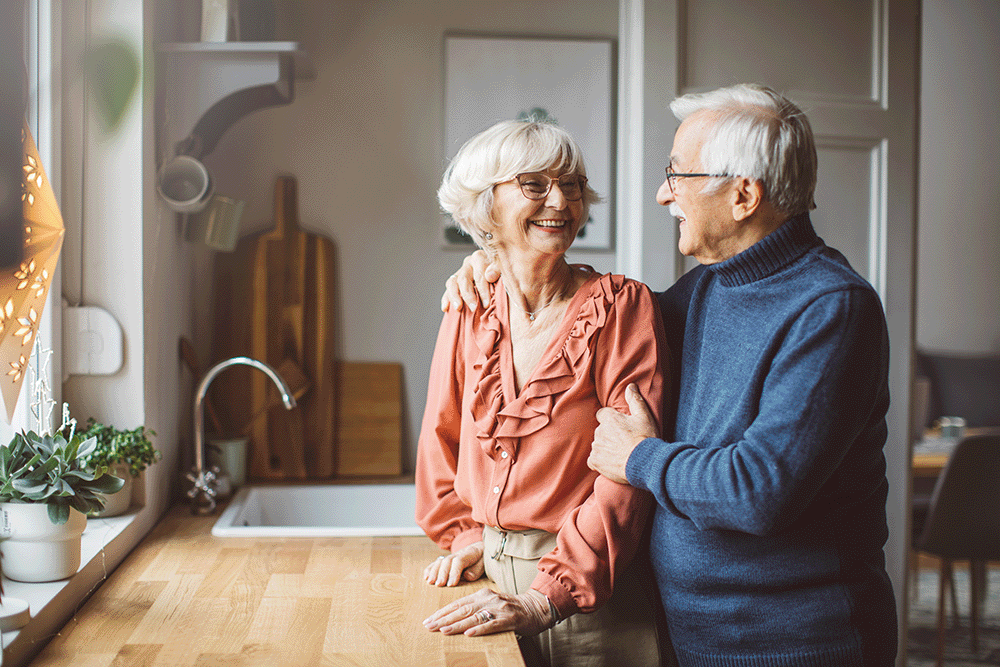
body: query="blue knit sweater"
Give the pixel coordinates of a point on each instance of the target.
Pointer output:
(770, 520)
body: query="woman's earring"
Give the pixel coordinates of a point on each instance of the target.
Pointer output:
(489, 236)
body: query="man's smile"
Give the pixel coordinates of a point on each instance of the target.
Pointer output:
(676, 211)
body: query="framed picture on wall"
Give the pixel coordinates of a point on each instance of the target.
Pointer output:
(567, 81)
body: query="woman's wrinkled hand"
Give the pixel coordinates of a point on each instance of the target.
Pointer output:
(465, 564)
(486, 612)
(470, 285)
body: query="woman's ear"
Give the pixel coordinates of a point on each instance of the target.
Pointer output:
(747, 198)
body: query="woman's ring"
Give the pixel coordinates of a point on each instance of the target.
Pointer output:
(485, 615)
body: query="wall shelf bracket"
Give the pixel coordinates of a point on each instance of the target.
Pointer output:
(208, 86)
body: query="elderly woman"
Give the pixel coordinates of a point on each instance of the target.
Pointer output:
(502, 476)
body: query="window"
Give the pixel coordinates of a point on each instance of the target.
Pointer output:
(42, 117)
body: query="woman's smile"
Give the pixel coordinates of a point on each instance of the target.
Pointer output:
(551, 223)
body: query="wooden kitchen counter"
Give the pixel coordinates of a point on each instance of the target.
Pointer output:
(184, 597)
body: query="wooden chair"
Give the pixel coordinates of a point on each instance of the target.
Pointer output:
(922, 488)
(964, 522)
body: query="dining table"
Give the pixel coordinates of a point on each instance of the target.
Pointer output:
(931, 453)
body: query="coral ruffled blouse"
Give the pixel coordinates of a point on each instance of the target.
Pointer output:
(518, 461)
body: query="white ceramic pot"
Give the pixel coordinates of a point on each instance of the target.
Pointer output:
(33, 548)
(119, 501)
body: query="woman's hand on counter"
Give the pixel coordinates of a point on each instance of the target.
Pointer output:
(486, 612)
(465, 564)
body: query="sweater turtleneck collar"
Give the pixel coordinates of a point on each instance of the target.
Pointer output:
(769, 255)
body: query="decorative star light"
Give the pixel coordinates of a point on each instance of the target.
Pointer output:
(41, 402)
(24, 286)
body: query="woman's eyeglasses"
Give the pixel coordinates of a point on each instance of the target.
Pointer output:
(537, 185)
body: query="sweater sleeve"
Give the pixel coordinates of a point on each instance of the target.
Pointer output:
(445, 518)
(600, 537)
(824, 385)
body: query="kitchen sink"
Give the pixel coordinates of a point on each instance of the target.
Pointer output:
(320, 510)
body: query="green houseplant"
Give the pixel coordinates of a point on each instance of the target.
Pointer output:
(52, 470)
(47, 486)
(126, 453)
(133, 448)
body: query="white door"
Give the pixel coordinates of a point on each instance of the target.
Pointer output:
(852, 67)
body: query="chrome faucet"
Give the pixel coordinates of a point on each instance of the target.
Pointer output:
(203, 493)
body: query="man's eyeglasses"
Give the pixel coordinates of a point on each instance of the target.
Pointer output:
(673, 175)
(537, 185)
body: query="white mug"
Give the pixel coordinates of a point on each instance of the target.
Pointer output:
(185, 184)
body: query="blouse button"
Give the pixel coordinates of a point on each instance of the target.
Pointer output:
(496, 489)
(503, 455)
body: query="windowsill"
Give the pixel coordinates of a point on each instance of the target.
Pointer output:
(51, 603)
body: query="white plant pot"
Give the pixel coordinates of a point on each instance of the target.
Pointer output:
(33, 548)
(118, 502)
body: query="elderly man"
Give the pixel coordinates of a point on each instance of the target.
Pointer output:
(770, 485)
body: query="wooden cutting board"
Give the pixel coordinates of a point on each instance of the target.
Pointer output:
(370, 417)
(274, 302)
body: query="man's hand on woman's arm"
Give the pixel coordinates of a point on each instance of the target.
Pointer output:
(617, 434)
(471, 283)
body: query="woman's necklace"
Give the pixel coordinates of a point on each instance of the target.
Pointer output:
(530, 314)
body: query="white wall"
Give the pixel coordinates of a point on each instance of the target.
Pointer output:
(958, 253)
(364, 141)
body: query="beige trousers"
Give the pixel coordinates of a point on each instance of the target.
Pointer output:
(622, 632)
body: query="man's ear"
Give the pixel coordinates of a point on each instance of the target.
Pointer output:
(748, 195)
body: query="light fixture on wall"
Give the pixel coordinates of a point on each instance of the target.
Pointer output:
(25, 285)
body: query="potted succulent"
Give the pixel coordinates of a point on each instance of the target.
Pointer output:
(46, 488)
(126, 454)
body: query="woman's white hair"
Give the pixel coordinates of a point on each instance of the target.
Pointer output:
(496, 155)
(758, 134)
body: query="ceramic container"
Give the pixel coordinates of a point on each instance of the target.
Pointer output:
(218, 224)
(33, 548)
(185, 184)
(119, 501)
(216, 16)
(231, 457)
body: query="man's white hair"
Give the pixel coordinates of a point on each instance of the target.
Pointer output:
(759, 134)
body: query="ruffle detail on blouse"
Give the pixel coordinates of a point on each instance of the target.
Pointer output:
(487, 397)
(500, 424)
